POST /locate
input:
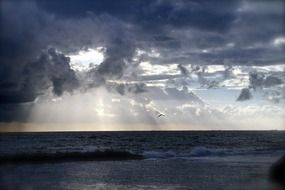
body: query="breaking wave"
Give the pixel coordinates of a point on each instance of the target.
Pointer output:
(70, 156)
(114, 155)
(201, 151)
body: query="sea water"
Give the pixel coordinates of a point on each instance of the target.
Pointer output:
(139, 160)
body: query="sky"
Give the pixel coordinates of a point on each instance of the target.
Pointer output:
(72, 65)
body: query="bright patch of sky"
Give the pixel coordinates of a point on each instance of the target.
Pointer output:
(279, 41)
(151, 69)
(85, 59)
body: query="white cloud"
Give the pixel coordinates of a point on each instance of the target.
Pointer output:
(279, 41)
(81, 60)
(151, 69)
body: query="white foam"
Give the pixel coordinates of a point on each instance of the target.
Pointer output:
(206, 152)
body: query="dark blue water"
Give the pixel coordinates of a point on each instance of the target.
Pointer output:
(162, 145)
(217, 160)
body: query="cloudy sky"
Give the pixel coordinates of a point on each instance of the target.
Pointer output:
(142, 65)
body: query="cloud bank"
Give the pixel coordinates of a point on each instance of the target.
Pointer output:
(159, 56)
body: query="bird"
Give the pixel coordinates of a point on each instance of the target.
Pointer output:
(160, 115)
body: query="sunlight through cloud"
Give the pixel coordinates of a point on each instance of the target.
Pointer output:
(84, 59)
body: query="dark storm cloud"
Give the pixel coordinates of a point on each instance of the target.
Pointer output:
(15, 112)
(271, 81)
(127, 88)
(245, 94)
(259, 80)
(248, 41)
(256, 80)
(21, 23)
(182, 31)
(50, 70)
(183, 70)
(17, 97)
(29, 67)
(206, 15)
(170, 24)
(118, 55)
(228, 73)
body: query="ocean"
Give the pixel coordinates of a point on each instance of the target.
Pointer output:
(139, 160)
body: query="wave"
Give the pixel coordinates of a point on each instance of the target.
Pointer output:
(70, 156)
(114, 155)
(200, 152)
(159, 154)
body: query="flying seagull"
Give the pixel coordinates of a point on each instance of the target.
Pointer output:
(160, 115)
